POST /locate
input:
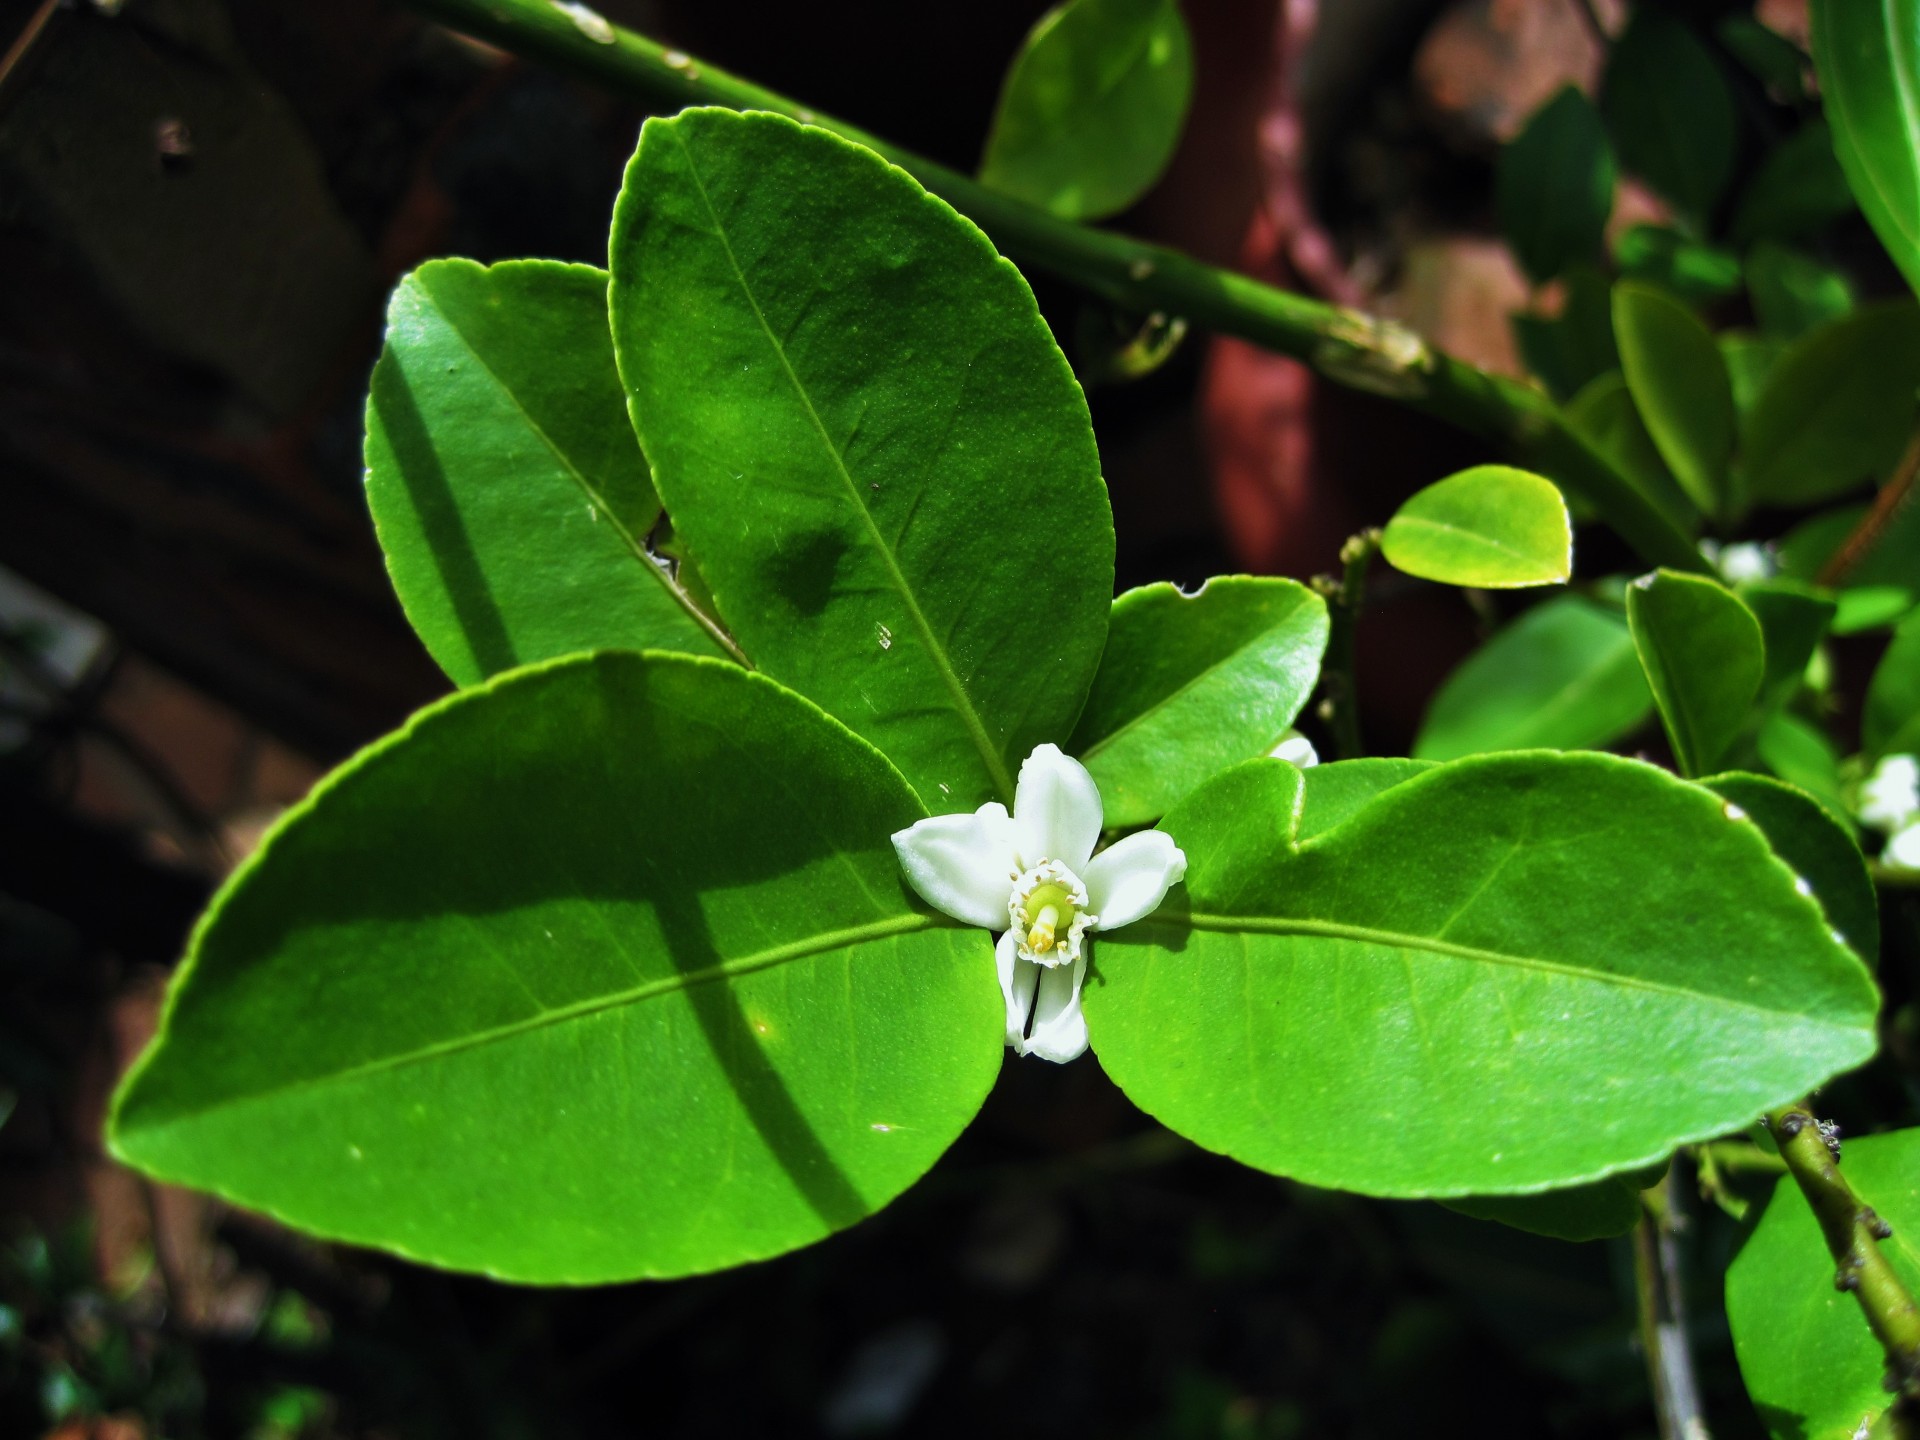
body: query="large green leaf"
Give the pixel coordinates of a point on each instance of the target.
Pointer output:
(1670, 111)
(1503, 975)
(1191, 684)
(1607, 419)
(503, 476)
(1837, 408)
(1680, 387)
(1798, 191)
(1564, 675)
(1705, 657)
(1868, 56)
(1891, 722)
(602, 970)
(1554, 189)
(1092, 107)
(1809, 1361)
(1491, 527)
(865, 434)
(1815, 848)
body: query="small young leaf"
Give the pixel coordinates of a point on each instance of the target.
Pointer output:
(1554, 188)
(1092, 107)
(506, 486)
(1816, 848)
(1670, 111)
(1838, 407)
(1607, 419)
(1680, 386)
(1491, 527)
(1704, 657)
(1793, 293)
(868, 439)
(1564, 675)
(1191, 684)
(1809, 1361)
(1471, 985)
(602, 970)
(1598, 1211)
(1794, 618)
(1868, 56)
(1799, 190)
(1891, 723)
(1689, 268)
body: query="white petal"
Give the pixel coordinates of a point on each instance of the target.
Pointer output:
(1017, 981)
(962, 864)
(1059, 1029)
(1131, 877)
(1296, 750)
(1903, 850)
(1891, 795)
(1056, 807)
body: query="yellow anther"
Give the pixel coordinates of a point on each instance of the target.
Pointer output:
(1040, 932)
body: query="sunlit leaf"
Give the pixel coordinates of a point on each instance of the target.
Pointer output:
(1491, 527)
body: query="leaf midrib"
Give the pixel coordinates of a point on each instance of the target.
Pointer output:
(963, 703)
(1478, 538)
(888, 928)
(1398, 940)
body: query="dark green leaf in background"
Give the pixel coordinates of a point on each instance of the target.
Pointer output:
(1690, 268)
(1749, 359)
(1792, 292)
(1794, 618)
(1878, 589)
(1564, 675)
(505, 483)
(1772, 59)
(1598, 1211)
(1503, 975)
(1191, 684)
(1569, 350)
(1607, 419)
(1705, 658)
(1809, 1361)
(1670, 111)
(1092, 107)
(1491, 527)
(1798, 191)
(1679, 384)
(1554, 186)
(605, 969)
(868, 439)
(1868, 54)
(1800, 753)
(1837, 408)
(1891, 723)
(1815, 847)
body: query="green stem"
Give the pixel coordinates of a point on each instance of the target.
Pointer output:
(1345, 598)
(1342, 345)
(1853, 1235)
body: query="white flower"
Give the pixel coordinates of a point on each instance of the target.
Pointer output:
(1296, 750)
(1903, 851)
(1033, 875)
(1890, 798)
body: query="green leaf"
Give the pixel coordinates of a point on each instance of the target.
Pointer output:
(1867, 53)
(1799, 190)
(1772, 59)
(1792, 293)
(1837, 409)
(1749, 358)
(1498, 977)
(1891, 722)
(1491, 527)
(504, 480)
(1670, 111)
(1809, 1361)
(1554, 186)
(1794, 618)
(1680, 386)
(1598, 1211)
(1801, 754)
(1607, 419)
(1092, 107)
(1340, 789)
(1689, 268)
(1704, 656)
(866, 436)
(1816, 848)
(1877, 590)
(603, 970)
(1569, 350)
(1564, 675)
(1191, 684)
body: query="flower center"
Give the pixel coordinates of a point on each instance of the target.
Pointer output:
(1049, 914)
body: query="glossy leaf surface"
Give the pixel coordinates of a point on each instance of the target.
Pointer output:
(1704, 656)
(505, 483)
(1814, 846)
(1503, 975)
(1809, 1361)
(602, 970)
(1563, 676)
(1491, 527)
(1191, 684)
(1868, 56)
(868, 439)
(1670, 111)
(1679, 384)
(1891, 723)
(1837, 408)
(1554, 186)
(1092, 107)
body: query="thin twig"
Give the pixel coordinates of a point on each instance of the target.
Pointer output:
(1894, 497)
(1658, 1282)
(1345, 599)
